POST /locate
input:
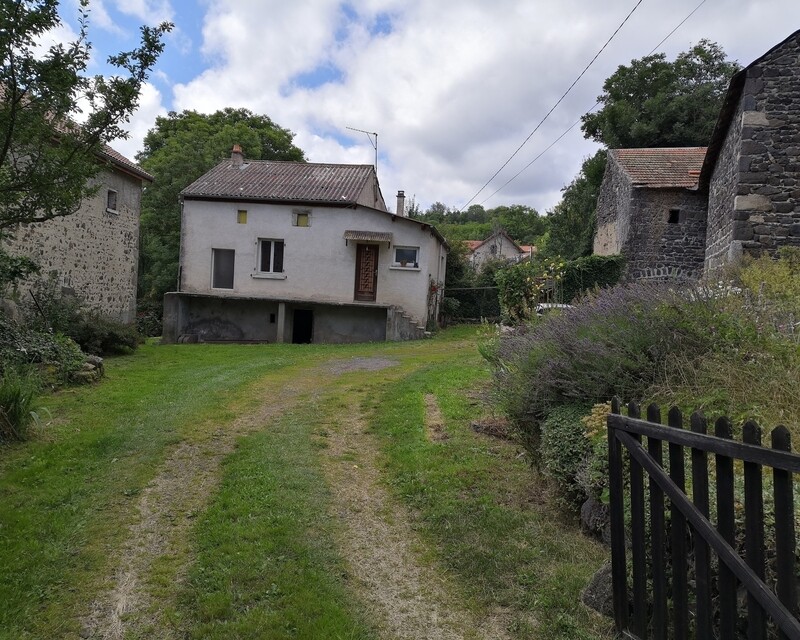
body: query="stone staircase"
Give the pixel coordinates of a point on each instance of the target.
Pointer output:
(401, 326)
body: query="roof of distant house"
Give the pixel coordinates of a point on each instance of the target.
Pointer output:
(474, 244)
(671, 167)
(340, 184)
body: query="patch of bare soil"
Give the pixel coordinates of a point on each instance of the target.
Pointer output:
(493, 426)
(434, 421)
(167, 507)
(360, 364)
(405, 595)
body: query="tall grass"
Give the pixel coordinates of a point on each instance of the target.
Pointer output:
(18, 395)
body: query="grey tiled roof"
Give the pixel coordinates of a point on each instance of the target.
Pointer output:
(288, 181)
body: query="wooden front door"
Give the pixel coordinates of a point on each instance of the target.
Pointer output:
(366, 272)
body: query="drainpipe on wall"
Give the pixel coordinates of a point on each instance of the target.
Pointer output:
(180, 247)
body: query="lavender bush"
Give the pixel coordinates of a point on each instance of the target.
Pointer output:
(717, 348)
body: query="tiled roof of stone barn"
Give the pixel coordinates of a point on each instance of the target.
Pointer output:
(662, 167)
(283, 181)
(121, 162)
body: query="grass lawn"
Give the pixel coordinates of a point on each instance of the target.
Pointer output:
(260, 560)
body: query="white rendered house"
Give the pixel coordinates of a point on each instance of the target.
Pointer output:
(300, 252)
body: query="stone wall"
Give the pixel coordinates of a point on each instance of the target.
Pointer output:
(613, 210)
(94, 253)
(721, 195)
(657, 248)
(635, 222)
(755, 194)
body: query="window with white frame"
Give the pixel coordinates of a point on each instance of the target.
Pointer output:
(406, 257)
(222, 262)
(270, 255)
(301, 217)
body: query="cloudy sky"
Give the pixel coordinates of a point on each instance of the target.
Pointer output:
(451, 88)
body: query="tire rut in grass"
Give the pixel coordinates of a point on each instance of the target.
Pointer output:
(405, 594)
(166, 510)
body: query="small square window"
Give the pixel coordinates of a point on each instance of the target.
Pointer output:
(674, 216)
(272, 318)
(111, 201)
(301, 218)
(270, 256)
(241, 216)
(406, 257)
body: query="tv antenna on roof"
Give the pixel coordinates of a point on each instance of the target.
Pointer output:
(372, 140)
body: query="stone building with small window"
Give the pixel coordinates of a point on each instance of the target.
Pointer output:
(93, 253)
(687, 212)
(300, 252)
(649, 210)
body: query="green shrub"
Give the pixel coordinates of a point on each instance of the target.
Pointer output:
(99, 335)
(524, 284)
(565, 448)
(12, 270)
(591, 272)
(52, 310)
(57, 356)
(18, 393)
(149, 318)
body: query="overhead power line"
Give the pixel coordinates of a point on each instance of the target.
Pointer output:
(550, 146)
(553, 108)
(680, 24)
(574, 124)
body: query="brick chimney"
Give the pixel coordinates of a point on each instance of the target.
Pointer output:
(401, 203)
(237, 157)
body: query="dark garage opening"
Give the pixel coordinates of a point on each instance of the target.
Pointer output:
(302, 326)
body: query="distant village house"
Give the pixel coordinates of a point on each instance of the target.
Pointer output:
(498, 246)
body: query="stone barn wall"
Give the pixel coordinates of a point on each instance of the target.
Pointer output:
(613, 211)
(93, 252)
(754, 199)
(667, 237)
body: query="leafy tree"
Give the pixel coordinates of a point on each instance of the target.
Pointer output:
(47, 161)
(572, 220)
(650, 103)
(466, 231)
(177, 151)
(476, 213)
(657, 103)
(523, 224)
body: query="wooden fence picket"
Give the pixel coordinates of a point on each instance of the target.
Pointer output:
(690, 522)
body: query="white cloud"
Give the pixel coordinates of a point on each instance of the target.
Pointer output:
(147, 11)
(150, 106)
(100, 17)
(453, 89)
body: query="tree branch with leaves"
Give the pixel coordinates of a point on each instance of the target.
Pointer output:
(47, 159)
